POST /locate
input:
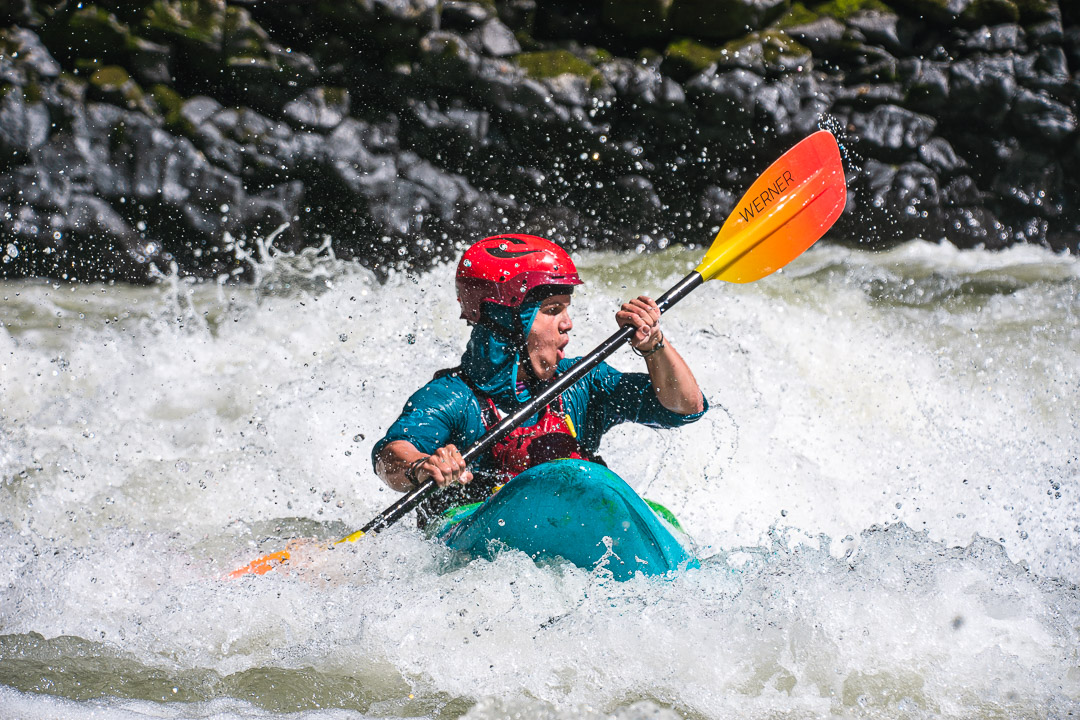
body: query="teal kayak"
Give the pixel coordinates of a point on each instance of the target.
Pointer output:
(578, 511)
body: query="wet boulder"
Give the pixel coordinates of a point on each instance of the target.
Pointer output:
(463, 15)
(1044, 119)
(925, 84)
(722, 19)
(319, 108)
(891, 132)
(825, 37)
(988, 84)
(496, 40)
(24, 121)
(637, 18)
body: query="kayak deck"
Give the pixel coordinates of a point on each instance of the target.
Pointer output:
(575, 510)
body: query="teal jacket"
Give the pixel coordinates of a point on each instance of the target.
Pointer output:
(446, 410)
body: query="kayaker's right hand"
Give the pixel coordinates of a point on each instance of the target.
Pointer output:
(445, 466)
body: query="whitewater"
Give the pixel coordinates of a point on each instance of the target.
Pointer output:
(885, 495)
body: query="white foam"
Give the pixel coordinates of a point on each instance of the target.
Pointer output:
(144, 456)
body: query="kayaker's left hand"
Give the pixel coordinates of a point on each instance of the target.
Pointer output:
(644, 314)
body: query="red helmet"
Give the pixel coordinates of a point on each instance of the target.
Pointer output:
(504, 268)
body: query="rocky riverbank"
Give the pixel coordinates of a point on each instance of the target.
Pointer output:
(139, 134)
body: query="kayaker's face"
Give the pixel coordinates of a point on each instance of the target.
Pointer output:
(548, 335)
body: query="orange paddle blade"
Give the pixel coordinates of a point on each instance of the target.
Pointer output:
(783, 213)
(261, 566)
(300, 547)
(266, 563)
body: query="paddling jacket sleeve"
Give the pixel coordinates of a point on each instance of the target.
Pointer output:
(606, 397)
(447, 411)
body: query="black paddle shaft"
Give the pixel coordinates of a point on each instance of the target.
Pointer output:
(414, 497)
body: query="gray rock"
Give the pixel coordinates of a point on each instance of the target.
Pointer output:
(1047, 32)
(722, 19)
(1034, 183)
(457, 122)
(423, 13)
(318, 108)
(880, 28)
(962, 191)
(943, 11)
(637, 193)
(199, 109)
(925, 83)
(497, 40)
(460, 16)
(824, 36)
(997, 39)
(1048, 71)
(728, 93)
(892, 131)
(986, 86)
(1036, 114)
(94, 218)
(33, 54)
(869, 95)
(23, 125)
(447, 59)
(518, 15)
(938, 154)
(150, 62)
(974, 227)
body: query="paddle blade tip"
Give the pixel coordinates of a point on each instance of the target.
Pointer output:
(786, 210)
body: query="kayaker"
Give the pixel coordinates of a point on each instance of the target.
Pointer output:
(515, 291)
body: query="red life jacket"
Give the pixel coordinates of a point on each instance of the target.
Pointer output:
(551, 438)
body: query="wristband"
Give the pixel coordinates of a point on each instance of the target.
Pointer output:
(410, 471)
(659, 345)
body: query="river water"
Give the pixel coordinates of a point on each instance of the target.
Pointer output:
(885, 494)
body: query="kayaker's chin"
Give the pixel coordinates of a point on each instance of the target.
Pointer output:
(544, 368)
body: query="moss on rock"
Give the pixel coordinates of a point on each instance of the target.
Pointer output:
(199, 21)
(552, 63)
(110, 78)
(114, 84)
(844, 9)
(767, 51)
(1034, 10)
(990, 12)
(169, 101)
(797, 15)
(686, 57)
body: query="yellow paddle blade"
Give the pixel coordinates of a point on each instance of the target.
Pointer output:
(783, 213)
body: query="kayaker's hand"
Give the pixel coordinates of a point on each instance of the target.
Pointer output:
(445, 466)
(644, 314)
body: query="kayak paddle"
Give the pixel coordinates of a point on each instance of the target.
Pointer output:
(787, 209)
